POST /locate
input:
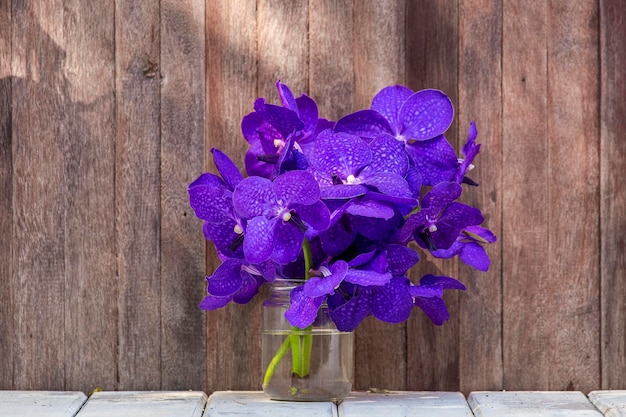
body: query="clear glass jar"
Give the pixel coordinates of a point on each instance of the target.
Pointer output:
(312, 364)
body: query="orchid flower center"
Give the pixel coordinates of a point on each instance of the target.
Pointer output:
(351, 179)
(238, 229)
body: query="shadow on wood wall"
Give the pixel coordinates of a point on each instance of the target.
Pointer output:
(108, 110)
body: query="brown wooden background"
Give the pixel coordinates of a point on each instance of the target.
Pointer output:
(107, 112)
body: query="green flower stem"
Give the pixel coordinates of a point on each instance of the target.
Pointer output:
(269, 372)
(301, 344)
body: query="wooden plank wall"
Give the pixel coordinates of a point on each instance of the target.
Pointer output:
(108, 110)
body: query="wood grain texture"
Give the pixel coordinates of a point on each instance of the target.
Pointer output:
(89, 164)
(552, 81)
(183, 259)
(233, 333)
(283, 47)
(39, 98)
(573, 241)
(480, 99)
(613, 191)
(526, 279)
(331, 56)
(432, 62)
(138, 149)
(378, 37)
(6, 200)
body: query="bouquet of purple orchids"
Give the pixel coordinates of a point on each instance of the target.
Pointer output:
(337, 203)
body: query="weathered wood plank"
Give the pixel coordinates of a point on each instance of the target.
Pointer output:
(145, 403)
(40, 403)
(613, 191)
(6, 199)
(480, 99)
(405, 404)
(137, 196)
(283, 47)
(233, 333)
(526, 279)
(89, 172)
(432, 62)
(331, 58)
(226, 403)
(39, 98)
(183, 260)
(611, 403)
(378, 37)
(571, 311)
(531, 404)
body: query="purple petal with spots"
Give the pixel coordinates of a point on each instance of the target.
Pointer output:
(286, 97)
(366, 278)
(340, 154)
(474, 255)
(211, 302)
(223, 235)
(435, 159)
(210, 203)
(445, 236)
(315, 215)
(378, 263)
(441, 195)
(461, 215)
(255, 167)
(434, 308)
(390, 184)
(287, 242)
(342, 191)
(208, 179)
(249, 288)
(308, 113)
(447, 283)
(364, 123)
(392, 303)
(226, 280)
(296, 187)
(227, 168)
(426, 291)
(302, 309)
(362, 258)
(371, 208)
(376, 229)
(338, 237)
(284, 120)
(258, 243)
(253, 197)
(388, 155)
(400, 259)
(348, 314)
(414, 179)
(389, 101)
(426, 114)
(317, 287)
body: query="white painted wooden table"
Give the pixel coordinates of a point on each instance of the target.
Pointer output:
(254, 403)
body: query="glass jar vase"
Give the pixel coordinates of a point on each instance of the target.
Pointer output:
(311, 364)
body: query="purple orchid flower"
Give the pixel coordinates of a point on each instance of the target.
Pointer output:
(278, 214)
(354, 167)
(440, 220)
(306, 299)
(468, 246)
(235, 280)
(211, 199)
(470, 150)
(279, 135)
(416, 119)
(428, 296)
